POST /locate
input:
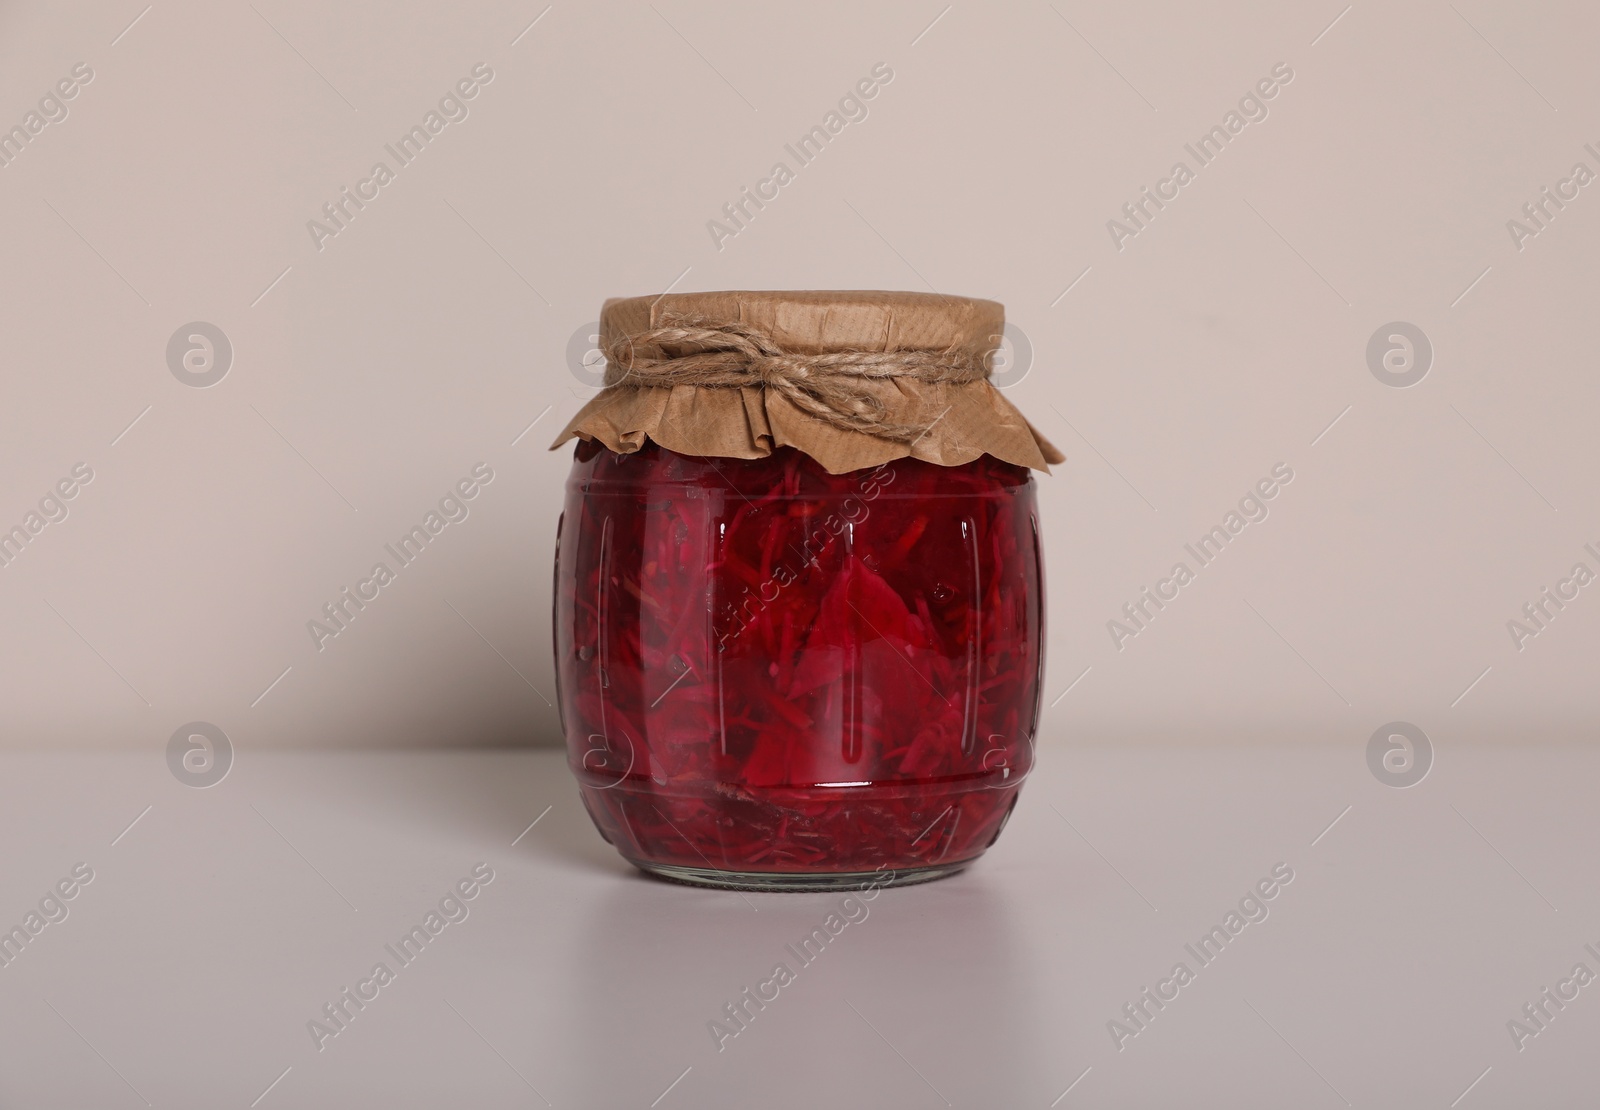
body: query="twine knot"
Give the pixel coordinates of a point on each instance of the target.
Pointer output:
(832, 387)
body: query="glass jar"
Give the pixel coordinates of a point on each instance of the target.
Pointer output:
(773, 677)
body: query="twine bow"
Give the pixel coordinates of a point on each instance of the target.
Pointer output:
(831, 386)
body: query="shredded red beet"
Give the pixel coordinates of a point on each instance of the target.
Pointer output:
(765, 667)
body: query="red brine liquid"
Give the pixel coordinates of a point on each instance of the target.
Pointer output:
(773, 672)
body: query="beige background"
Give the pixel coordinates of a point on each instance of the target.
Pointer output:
(369, 376)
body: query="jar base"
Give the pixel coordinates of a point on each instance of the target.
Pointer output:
(797, 881)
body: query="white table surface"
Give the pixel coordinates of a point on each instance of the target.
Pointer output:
(218, 925)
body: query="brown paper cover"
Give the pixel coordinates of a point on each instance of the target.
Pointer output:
(747, 422)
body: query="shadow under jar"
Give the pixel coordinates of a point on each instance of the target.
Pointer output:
(775, 677)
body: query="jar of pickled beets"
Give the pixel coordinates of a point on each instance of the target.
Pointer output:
(799, 604)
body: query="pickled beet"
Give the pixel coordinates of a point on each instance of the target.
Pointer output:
(764, 667)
